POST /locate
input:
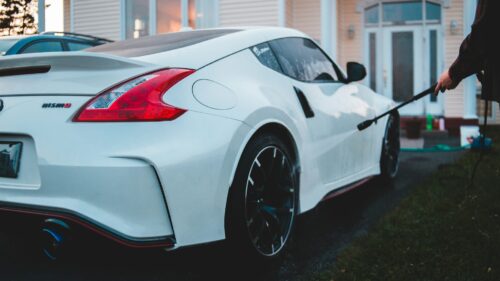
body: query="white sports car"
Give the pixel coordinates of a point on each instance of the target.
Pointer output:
(187, 138)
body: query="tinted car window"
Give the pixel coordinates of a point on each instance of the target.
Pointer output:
(303, 60)
(75, 46)
(44, 47)
(266, 56)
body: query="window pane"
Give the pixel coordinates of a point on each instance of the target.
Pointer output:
(44, 47)
(74, 46)
(266, 56)
(433, 60)
(373, 61)
(301, 59)
(137, 18)
(402, 12)
(402, 66)
(206, 13)
(371, 14)
(433, 11)
(168, 16)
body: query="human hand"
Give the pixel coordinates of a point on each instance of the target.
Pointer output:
(445, 83)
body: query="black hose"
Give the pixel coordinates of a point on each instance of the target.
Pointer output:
(482, 145)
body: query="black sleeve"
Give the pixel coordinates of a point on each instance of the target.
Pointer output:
(474, 48)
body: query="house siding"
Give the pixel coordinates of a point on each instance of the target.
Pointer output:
(307, 17)
(349, 49)
(98, 18)
(248, 13)
(454, 100)
(289, 13)
(67, 15)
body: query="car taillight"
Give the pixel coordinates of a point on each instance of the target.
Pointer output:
(139, 99)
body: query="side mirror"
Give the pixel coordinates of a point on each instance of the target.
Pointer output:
(355, 72)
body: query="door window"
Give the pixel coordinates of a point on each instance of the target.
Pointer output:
(402, 66)
(373, 60)
(372, 15)
(76, 46)
(302, 59)
(433, 61)
(433, 11)
(43, 47)
(403, 13)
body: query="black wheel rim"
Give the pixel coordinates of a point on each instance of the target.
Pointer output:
(392, 147)
(270, 201)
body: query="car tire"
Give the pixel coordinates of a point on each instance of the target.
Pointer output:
(389, 159)
(263, 198)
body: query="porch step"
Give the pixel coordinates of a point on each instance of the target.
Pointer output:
(430, 139)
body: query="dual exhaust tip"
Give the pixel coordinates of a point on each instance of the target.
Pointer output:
(55, 237)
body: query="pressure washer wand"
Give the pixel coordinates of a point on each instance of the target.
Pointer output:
(368, 123)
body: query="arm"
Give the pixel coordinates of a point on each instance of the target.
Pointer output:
(472, 51)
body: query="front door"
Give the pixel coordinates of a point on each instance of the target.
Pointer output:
(403, 66)
(403, 52)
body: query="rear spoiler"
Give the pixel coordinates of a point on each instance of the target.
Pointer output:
(66, 73)
(64, 61)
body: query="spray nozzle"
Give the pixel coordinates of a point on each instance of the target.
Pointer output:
(365, 124)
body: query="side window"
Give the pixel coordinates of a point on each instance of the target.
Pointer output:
(266, 56)
(303, 60)
(44, 47)
(75, 46)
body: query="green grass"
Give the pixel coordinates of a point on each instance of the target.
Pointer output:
(442, 231)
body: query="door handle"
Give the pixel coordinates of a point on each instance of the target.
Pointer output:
(304, 103)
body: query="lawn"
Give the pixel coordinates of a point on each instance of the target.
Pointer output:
(444, 230)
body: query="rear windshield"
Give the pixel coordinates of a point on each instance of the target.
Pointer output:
(160, 43)
(5, 45)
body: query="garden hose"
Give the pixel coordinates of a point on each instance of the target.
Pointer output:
(438, 148)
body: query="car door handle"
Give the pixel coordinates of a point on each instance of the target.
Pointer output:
(304, 103)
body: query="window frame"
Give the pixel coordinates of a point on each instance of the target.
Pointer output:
(124, 9)
(153, 10)
(340, 75)
(424, 19)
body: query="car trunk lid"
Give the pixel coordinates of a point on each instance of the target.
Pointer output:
(76, 73)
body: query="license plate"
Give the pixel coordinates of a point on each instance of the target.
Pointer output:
(10, 159)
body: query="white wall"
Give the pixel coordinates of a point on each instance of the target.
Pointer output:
(54, 15)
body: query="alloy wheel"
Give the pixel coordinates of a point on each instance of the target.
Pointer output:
(270, 197)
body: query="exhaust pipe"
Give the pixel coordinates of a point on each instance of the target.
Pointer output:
(55, 237)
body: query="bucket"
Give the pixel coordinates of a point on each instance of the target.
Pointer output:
(467, 133)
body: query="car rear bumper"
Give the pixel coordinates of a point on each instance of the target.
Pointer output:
(122, 198)
(77, 219)
(140, 181)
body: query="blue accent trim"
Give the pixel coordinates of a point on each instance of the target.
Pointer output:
(57, 237)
